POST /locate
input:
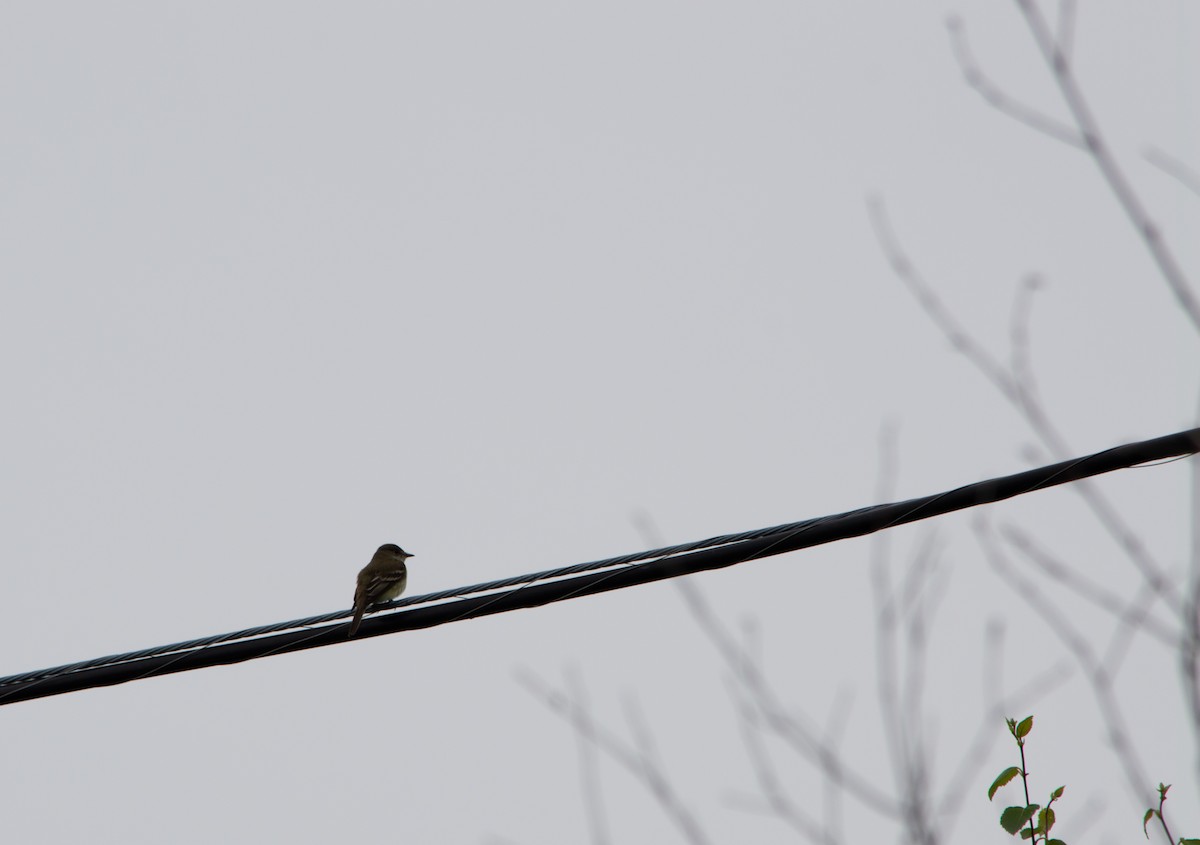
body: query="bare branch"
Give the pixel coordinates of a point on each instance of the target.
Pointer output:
(1020, 345)
(901, 702)
(1080, 649)
(589, 769)
(996, 98)
(835, 729)
(965, 777)
(800, 737)
(918, 604)
(1189, 650)
(1066, 27)
(887, 655)
(1175, 168)
(1100, 152)
(635, 761)
(769, 784)
(932, 304)
(1023, 398)
(1132, 616)
(642, 737)
(1085, 587)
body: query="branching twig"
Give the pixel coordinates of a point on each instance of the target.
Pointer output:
(1175, 168)
(1189, 651)
(1086, 588)
(1066, 27)
(776, 796)
(800, 737)
(965, 776)
(1021, 346)
(804, 740)
(1080, 649)
(1023, 399)
(638, 761)
(589, 770)
(900, 703)
(1098, 148)
(997, 99)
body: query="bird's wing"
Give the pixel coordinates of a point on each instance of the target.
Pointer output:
(380, 582)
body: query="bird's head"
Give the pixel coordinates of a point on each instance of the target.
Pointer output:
(394, 550)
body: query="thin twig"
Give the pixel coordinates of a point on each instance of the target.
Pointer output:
(1084, 587)
(1066, 27)
(1098, 148)
(803, 739)
(1023, 398)
(1189, 651)
(589, 769)
(962, 782)
(997, 99)
(1175, 168)
(1080, 649)
(919, 608)
(835, 730)
(901, 702)
(635, 761)
(769, 783)
(1021, 345)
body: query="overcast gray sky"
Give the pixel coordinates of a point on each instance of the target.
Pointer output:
(285, 281)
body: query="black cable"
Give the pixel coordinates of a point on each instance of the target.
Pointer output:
(567, 582)
(428, 598)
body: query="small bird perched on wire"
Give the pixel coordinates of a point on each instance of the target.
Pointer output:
(383, 579)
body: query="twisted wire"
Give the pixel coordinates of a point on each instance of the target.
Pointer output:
(570, 581)
(427, 598)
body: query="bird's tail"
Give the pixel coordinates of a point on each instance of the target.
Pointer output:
(354, 623)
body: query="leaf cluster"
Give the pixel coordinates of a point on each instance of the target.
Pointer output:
(1031, 821)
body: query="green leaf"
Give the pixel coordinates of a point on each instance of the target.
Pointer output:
(1056, 842)
(1026, 833)
(1014, 818)
(1151, 813)
(1001, 779)
(1045, 821)
(1189, 842)
(1025, 727)
(1056, 794)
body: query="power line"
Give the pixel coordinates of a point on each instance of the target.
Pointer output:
(539, 588)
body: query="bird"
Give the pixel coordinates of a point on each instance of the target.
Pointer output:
(383, 579)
